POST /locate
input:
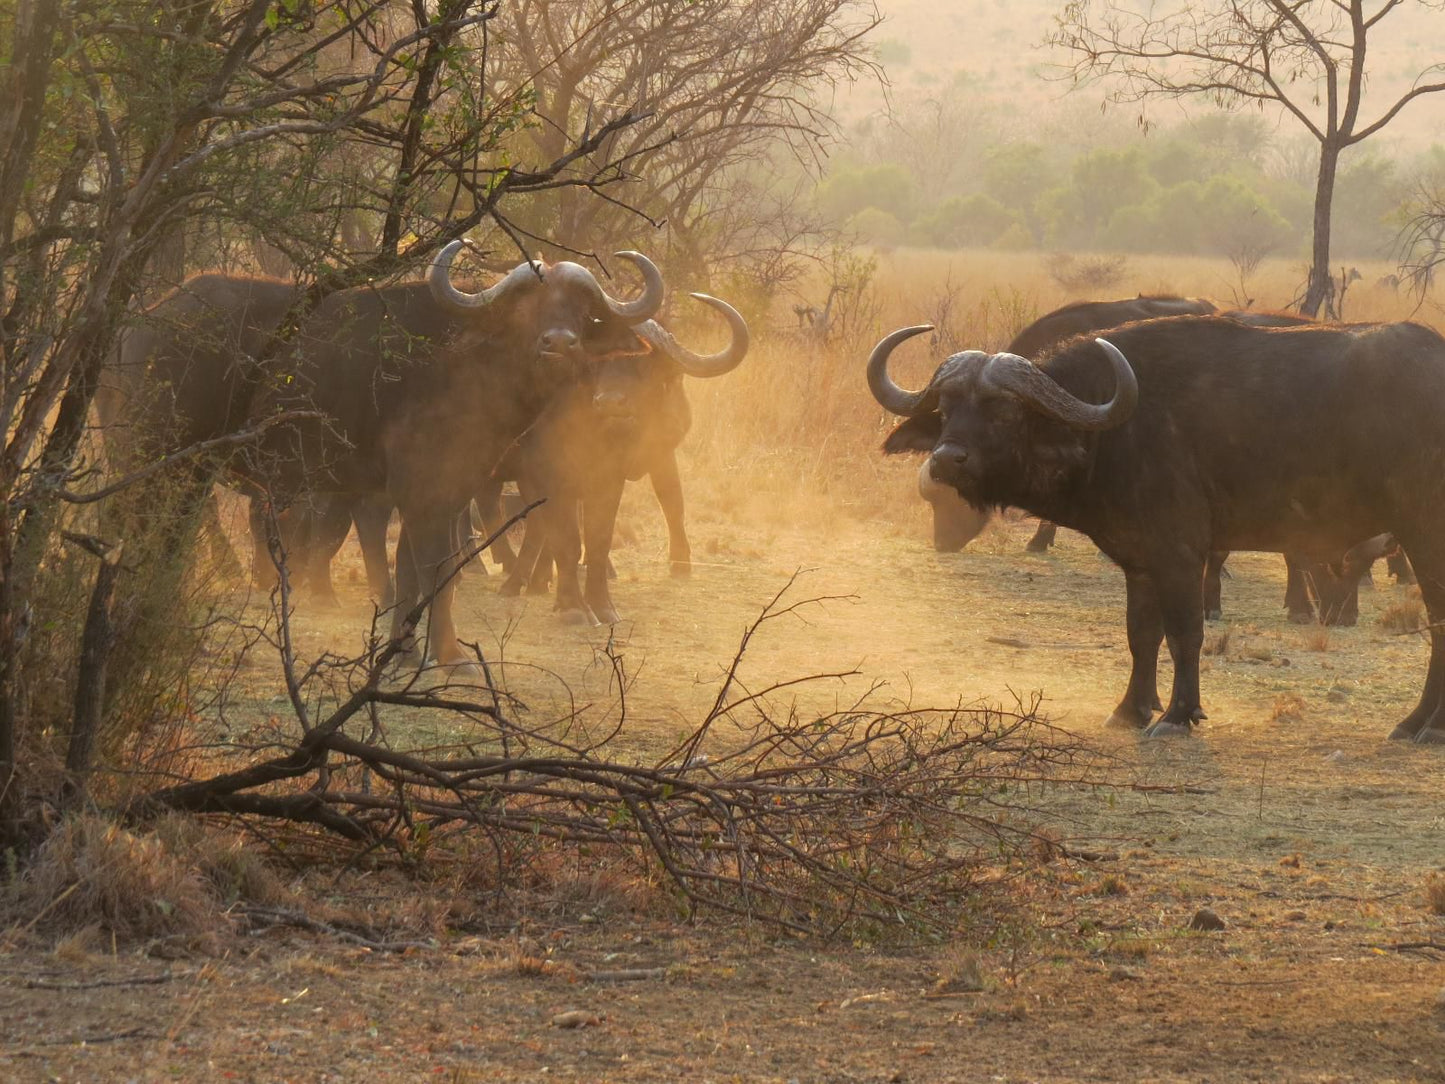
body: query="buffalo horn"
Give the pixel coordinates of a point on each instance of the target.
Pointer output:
(889, 395)
(439, 279)
(702, 365)
(1024, 379)
(645, 306)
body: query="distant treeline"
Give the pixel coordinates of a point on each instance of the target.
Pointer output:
(936, 174)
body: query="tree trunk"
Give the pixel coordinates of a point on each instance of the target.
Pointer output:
(1320, 286)
(95, 647)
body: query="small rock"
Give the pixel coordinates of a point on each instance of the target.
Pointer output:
(1337, 696)
(1205, 919)
(1335, 757)
(1125, 974)
(1295, 916)
(575, 1018)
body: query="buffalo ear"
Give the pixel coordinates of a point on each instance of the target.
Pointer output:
(918, 434)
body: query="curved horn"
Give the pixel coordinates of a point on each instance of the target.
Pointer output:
(645, 306)
(889, 395)
(439, 279)
(1023, 378)
(702, 365)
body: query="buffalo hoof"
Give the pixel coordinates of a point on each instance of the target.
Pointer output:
(1406, 730)
(572, 615)
(458, 672)
(1036, 546)
(681, 570)
(1213, 615)
(511, 588)
(1297, 617)
(325, 600)
(1124, 718)
(1166, 728)
(1431, 735)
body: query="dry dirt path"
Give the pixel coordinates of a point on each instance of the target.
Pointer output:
(1311, 835)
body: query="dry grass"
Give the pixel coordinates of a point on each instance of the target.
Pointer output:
(1317, 638)
(1407, 615)
(91, 873)
(94, 881)
(1217, 643)
(1288, 708)
(1435, 894)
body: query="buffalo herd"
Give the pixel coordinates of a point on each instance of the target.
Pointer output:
(1167, 432)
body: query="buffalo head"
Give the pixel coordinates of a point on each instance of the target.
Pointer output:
(999, 429)
(647, 385)
(561, 307)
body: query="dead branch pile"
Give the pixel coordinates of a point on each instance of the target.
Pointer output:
(889, 818)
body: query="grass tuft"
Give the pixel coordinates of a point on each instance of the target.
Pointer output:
(1407, 615)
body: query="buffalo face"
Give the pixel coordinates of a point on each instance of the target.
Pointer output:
(561, 307)
(998, 430)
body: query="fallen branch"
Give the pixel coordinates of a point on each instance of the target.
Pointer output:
(275, 916)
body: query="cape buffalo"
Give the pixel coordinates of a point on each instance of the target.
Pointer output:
(955, 523)
(423, 387)
(185, 372)
(585, 447)
(1179, 436)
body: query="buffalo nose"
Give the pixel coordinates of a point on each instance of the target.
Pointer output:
(947, 460)
(611, 403)
(557, 342)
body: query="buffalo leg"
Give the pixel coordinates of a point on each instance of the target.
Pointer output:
(1426, 724)
(1182, 613)
(667, 485)
(1145, 632)
(1297, 593)
(1213, 569)
(372, 516)
(1043, 537)
(564, 540)
(599, 519)
(322, 528)
(428, 536)
(263, 568)
(408, 594)
(528, 555)
(487, 506)
(539, 580)
(1399, 566)
(223, 555)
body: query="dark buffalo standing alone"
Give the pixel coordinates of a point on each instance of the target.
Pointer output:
(955, 522)
(1184, 435)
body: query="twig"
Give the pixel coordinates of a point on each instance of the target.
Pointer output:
(633, 974)
(141, 980)
(278, 917)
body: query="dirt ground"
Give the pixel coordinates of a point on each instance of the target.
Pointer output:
(1288, 814)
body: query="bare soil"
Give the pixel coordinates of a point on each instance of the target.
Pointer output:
(1288, 814)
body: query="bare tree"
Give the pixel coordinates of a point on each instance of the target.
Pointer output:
(126, 122)
(1306, 57)
(723, 83)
